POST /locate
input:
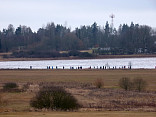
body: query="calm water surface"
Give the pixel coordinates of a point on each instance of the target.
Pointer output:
(146, 63)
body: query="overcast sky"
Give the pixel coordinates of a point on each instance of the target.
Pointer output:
(37, 13)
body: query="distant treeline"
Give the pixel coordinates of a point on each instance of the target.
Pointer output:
(48, 54)
(48, 41)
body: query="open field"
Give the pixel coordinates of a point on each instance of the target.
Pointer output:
(108, 101)
(79, 114)
(110, 77)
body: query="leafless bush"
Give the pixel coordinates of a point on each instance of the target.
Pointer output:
(99, 83)
(54, 98)
(139, 84)
(125, 83)
(11, 87)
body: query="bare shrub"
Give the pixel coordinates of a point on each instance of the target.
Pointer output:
(125, 83)
(99, 83)
(54, 98)
(11, 87)
(139, 84)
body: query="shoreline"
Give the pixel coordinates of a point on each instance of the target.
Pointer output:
(75, 58)
(28, 69)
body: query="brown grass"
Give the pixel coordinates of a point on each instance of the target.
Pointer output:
(90, 97)
(111, 77)
(80, 84)
(79, 114)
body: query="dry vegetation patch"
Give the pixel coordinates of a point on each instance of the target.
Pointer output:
(90, 97)
(114, 99)
(80, 85)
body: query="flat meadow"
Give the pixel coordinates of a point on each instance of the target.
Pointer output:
(110, 100)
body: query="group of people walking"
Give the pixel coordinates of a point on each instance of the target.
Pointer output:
(97, 67)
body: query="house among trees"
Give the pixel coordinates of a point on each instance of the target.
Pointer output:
(140, 50)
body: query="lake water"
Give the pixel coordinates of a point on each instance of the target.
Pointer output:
(137, 63)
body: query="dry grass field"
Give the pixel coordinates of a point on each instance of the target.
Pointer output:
(108, 101)
(79, 114)
(110, 77)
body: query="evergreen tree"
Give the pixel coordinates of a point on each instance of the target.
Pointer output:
(126, 40)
